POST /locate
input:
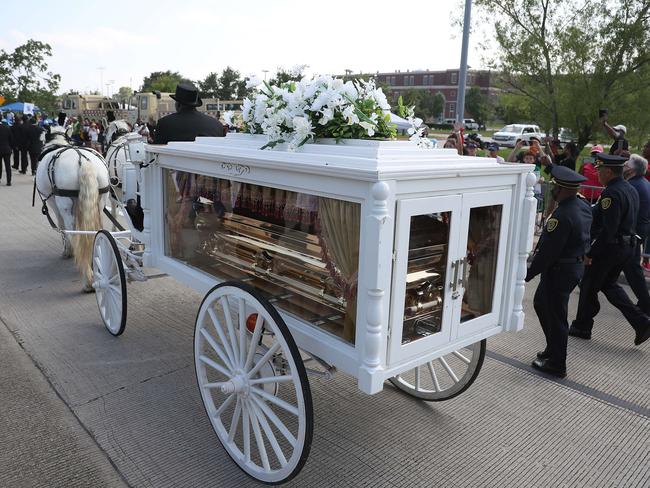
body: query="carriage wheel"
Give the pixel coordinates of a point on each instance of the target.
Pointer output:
(109, 282)
(253, 383)
(444, 377)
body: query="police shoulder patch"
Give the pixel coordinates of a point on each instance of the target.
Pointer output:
(606, 203)
(551, 224)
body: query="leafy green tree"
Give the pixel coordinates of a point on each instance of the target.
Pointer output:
(569, 57)
(478, 104)
(229, 82)
(209, 86)
(163, 81)
(24, 75)
(286, 75)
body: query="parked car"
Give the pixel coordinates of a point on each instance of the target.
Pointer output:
(470, 124)
(510, 134)
(565, 135)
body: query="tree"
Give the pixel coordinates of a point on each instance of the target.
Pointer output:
(228, 84)
(427, 105)
(209, 86)
(24, 75)
(569, 57)
(163, 81)
(478, 104)
(286, 75)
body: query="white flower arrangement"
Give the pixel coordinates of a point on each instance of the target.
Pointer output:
(299, 112)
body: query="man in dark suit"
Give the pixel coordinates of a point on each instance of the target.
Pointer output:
(18, 133)
(187, 123)
(34, 145)
(6, 145)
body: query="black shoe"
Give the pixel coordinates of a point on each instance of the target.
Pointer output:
(545, 366)
(9, 183)
(641, 337)
(23, 172)
(581, 333)
(15, 167)
(543, 354)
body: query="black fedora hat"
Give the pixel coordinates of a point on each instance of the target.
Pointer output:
(187, 94)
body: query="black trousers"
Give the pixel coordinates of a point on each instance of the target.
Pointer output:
(634, 274)
(24, 160)
(16, 164)
(551, 304)
(602, 275)
(6, 159)
(33, 158)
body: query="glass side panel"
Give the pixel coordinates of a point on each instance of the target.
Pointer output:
(482, 253)
(425, 275)
(301, 251)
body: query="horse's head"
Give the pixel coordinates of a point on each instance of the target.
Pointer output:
(57, 136)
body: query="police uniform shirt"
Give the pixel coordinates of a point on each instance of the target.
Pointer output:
(614, 215)
(565, 235)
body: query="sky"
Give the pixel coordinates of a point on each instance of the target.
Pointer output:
(130, 39)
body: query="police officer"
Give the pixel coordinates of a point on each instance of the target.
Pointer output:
(613, 243)
(559, 259)
(187, 123)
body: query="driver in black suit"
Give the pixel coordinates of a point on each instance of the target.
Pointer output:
(187, 123)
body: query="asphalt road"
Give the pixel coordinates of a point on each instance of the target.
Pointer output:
(79, 407)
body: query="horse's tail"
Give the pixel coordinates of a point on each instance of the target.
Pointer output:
(87, 217)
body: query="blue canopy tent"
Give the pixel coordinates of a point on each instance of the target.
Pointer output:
(17, 107)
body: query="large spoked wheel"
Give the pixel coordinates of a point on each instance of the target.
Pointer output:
(109, 282)
(444, 377)
(253, 383)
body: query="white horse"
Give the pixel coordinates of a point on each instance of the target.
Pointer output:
(115, 129)
(73, 183)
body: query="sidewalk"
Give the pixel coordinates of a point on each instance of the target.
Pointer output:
(43, 443)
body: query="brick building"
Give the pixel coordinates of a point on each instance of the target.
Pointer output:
(443, 82)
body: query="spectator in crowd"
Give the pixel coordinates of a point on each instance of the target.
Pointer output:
(93, 136)
(493, 152)
(6, 146)
(620, 144)
(18, 133)
(634, 171)
(566, 158)
(522, 154)
(588, 170)
(471, 149)
(151, 125)
(34, 145)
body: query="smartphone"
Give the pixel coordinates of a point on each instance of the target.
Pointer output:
(602, 112)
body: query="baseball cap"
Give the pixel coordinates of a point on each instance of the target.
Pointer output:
(471, 145)
(620, 128)
(493, 146)
(596, 149)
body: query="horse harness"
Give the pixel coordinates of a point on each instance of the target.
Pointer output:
(56, 191)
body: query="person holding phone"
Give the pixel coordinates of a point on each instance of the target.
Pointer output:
(620, 146)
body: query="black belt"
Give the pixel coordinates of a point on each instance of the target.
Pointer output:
(575, 260)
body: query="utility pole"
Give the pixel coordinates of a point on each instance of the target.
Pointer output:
(265, 71)
(462, 76)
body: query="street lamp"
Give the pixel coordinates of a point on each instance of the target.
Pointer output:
(265, 71)
(462, 78)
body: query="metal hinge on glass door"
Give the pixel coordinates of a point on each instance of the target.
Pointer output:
(458, 268)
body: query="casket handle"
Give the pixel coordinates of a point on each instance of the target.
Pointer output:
(455, 266)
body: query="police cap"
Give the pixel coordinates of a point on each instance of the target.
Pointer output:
(604, 159)
(566, 178)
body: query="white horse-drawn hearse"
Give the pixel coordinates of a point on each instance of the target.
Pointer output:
(381, 260)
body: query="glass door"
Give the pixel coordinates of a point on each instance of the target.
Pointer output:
(425, 275)
(484, 234)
